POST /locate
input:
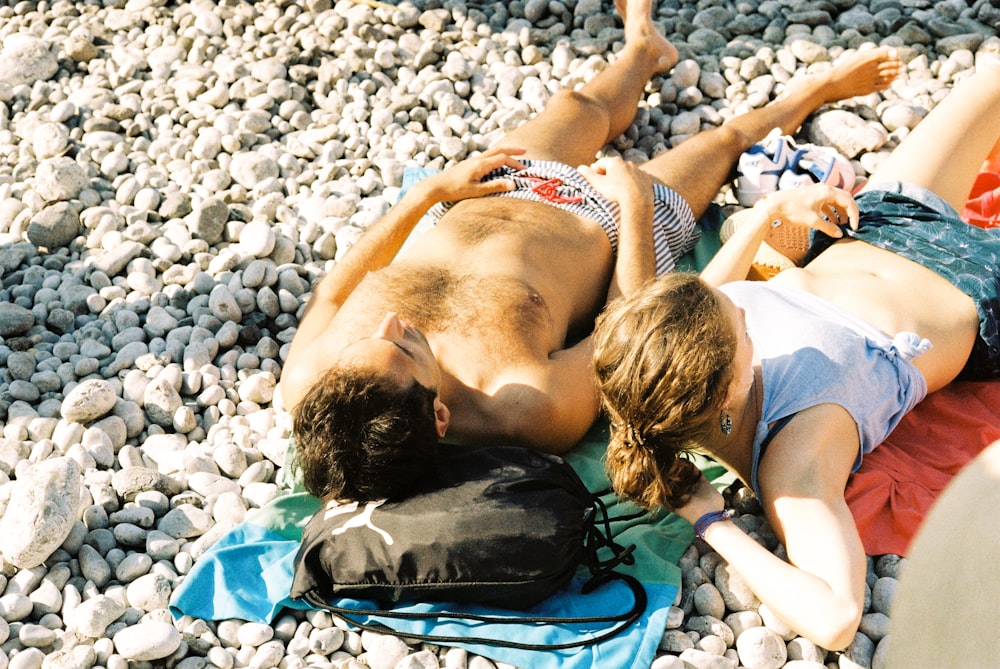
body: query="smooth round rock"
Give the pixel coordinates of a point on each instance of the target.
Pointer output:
(47, 500)
(147, 641)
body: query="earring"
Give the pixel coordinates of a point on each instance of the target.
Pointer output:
(725, 423)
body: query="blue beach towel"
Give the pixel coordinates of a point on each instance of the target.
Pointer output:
(247, 575)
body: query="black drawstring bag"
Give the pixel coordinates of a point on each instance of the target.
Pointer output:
(498, 526)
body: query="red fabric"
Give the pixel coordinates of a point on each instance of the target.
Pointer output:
(897, 483)
(983, 206)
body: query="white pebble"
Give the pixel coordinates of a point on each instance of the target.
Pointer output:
(147, 641)
(47, 497)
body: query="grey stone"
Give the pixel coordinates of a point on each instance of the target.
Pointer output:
(185, 521)
(883, 592)
(54, 226)
(859, 653)
(47, 498)
(208, 220)
(705, 625)
(14, 319)
(223, 304)
(734, 590)
(708, 601)
(131, 481)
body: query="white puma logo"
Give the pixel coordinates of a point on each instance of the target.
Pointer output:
(362, 519)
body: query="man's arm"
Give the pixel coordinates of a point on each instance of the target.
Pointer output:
(379, 246)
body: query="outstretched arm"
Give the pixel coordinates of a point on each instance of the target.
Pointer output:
(632, 188)
(820, 593)
(818, 206)
(380, 244)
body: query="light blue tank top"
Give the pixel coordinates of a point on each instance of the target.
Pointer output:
(813, 352)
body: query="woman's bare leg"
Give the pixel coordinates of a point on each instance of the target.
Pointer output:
(946, 149)
(575, 124)
(698, 167)
(992, 163)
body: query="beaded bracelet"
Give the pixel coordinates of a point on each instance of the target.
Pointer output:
(711, 517)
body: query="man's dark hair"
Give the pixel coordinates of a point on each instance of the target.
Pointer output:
(361, 437)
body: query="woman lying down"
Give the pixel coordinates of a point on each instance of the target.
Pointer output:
(789, 382)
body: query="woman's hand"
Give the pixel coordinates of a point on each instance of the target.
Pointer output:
(705, 499)
(819, 206)
(463, 180)
(620, 181)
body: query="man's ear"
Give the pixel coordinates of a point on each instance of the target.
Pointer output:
(442, 417)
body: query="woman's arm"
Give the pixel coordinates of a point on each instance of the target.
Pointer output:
(632, 188)
(819, 207)
(820, 593)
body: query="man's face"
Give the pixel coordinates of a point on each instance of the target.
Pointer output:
(398, 348)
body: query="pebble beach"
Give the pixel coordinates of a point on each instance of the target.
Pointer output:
(176, 176)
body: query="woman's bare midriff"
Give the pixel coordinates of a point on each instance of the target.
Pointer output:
(895, 295)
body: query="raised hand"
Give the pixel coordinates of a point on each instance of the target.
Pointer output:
(821, 207)
(463, 180)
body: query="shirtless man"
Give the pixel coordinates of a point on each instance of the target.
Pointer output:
(480, 330)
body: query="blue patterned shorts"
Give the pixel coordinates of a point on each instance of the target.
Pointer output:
(562, 186)
(920, 226)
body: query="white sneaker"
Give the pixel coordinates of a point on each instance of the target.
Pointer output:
(817, 165)
(760, 167)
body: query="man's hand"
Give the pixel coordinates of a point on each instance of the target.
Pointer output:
(463, 180)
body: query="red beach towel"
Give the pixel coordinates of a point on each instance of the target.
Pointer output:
(897, 483)
(983, 206)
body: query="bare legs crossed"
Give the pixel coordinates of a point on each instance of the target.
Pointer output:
(575, 125)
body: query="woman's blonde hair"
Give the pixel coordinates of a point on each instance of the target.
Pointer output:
(664, 361)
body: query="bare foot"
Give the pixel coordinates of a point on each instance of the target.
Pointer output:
(642, 33)
(861, 73)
